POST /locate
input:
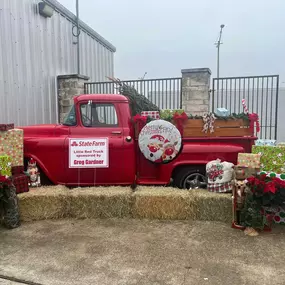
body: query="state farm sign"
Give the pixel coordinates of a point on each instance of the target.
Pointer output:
(89, 153)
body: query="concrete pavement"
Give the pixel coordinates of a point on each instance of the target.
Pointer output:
(114, 251)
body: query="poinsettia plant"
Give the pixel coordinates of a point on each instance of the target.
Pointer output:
(5, 183)
(264, 192)
(269, 190)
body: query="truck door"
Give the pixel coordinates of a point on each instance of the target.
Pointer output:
(95, 146)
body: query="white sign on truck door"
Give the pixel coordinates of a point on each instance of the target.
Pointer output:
(89, 153)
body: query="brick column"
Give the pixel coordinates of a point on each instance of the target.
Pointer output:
(68, 87)
(196, 90)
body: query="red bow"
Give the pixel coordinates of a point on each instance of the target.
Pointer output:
(139, 119)
(180, 120)
(139, 122)
(254, 119)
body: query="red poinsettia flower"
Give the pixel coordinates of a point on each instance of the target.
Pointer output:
(270, 187)
(251, 180)
(279, 183)
(263, 177)
(3, 179)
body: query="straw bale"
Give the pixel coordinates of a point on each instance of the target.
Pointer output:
(166, 203)
(163, 203)
(100, 202)
(44, 203)
(212, 206)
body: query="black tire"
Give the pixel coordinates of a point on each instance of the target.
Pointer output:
(182, 175)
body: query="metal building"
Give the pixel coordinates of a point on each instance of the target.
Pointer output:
(34, 50)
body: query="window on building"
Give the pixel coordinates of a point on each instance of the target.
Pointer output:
(98, 115)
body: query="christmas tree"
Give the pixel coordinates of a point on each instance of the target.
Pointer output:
(138, 102)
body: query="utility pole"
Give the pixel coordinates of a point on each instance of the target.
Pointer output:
(76, 34)
(218, 43)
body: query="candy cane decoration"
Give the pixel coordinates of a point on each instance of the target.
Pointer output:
(244, 106)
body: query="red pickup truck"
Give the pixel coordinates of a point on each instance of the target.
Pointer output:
(105, 121)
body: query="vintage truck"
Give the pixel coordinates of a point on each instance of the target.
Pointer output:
(64, 155)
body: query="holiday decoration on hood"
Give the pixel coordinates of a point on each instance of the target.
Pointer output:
(33, 174)
(160, 141)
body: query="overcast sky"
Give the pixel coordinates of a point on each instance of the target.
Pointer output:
(161, 37)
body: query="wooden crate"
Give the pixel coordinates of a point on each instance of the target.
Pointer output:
(222, 128)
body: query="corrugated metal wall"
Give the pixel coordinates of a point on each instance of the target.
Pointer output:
(33, 52)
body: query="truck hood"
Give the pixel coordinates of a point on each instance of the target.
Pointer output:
(41, 130)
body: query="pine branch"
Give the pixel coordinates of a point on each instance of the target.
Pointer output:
(138, 102)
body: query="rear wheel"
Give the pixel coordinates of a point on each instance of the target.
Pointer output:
(190, 178)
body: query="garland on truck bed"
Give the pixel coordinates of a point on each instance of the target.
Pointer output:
(138, 102)
(233, 116)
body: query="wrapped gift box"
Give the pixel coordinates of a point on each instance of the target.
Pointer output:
(151, 114)
(272, 158)
(222, 112)
(261, 142)
(21, 182)
(6, 127)
(18, 170)
(249, 160)
(242, 173)
(5, 165)
(11, 144)
(166, 113)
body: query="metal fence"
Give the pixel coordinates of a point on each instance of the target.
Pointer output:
(165, 93)
(260, 93)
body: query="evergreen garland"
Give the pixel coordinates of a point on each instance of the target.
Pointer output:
(233, 116)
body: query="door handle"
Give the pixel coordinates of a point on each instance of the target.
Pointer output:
(116, 133)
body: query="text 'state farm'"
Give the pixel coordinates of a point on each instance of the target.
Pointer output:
(89, 153)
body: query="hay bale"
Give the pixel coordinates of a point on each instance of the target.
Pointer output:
(100, 202)
(212, 206)
(166, 203)
(163, 203)
(44, 203)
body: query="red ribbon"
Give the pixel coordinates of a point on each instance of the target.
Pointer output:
(254, 119)
(140, 121)
(180, 120)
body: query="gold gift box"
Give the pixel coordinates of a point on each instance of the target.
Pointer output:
(12, 144)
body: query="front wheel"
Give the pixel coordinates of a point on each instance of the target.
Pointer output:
(187, 178)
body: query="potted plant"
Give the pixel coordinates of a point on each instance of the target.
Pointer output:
(9, 203)
(265, 193)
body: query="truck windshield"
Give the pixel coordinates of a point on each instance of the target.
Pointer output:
(70, 119)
